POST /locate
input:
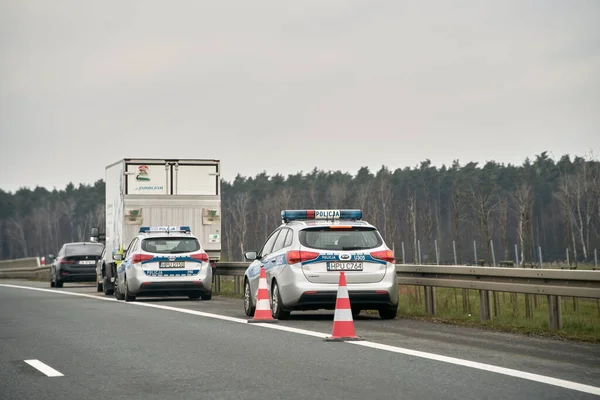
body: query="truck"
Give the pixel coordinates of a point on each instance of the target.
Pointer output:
(157, 192)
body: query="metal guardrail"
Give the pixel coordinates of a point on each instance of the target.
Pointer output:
(29, 262)
(552, 283)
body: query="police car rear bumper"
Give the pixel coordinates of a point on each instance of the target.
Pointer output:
(300, 294)
(161, 289)
(139, 284)
(326, 299)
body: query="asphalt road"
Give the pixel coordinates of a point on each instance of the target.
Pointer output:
(117, 350)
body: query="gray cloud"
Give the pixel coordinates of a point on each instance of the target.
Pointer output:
(285, 87)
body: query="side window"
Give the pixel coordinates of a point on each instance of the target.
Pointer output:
(280, 240)
(131, 247)
(289, 238)
(269, 244)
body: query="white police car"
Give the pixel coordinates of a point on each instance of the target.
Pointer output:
(164, 261)
(303, 258)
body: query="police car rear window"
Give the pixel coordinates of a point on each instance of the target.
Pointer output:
(355, 238)
(172, 245)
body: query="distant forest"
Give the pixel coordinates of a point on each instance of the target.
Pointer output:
(543, 202)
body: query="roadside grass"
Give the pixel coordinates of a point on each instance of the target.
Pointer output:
(228, 288)
(510, 313)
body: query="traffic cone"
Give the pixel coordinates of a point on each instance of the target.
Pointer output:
(343, 324)
(262, 313)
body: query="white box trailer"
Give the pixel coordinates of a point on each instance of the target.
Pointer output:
(159, 192)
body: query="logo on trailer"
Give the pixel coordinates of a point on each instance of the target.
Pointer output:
(142, 174)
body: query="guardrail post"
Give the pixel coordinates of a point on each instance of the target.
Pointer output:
(236, 284)
(484, 305)
(554, 312)
(430, 307)
(403, 254)
(218, 284)
(454, 250)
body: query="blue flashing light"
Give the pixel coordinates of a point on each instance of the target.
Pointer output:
(292, 215)
(148, 229)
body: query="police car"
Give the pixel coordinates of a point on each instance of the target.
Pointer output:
(164, 261)
(303, 258)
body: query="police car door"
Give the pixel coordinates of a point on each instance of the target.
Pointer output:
(263, 262)
(126, 262)
(276, 259)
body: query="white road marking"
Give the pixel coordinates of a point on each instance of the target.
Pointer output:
(484, 367)
(430, 356)
(43, 368)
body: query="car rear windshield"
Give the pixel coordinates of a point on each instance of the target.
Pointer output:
(355, 238)
(171, 245)
(84, 250)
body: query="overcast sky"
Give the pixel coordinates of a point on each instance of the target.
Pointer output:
(286, 86)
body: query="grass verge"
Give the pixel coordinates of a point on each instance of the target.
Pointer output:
(511, 312)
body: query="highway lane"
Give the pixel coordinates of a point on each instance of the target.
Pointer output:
(159, 352)
(579, 362)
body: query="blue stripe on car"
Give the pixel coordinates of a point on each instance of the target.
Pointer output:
(161, 272)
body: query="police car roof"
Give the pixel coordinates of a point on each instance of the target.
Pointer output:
(163, 234)
(316, 222)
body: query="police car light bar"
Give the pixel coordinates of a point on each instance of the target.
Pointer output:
(148, 229)
(291, 215)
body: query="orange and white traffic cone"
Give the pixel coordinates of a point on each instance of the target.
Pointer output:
(343, 324)
(262, 312)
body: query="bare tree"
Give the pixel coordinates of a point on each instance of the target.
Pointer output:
(411, 211)
(427, 215)
(503, 215)
(484, 203)
(240, 217)
(523, 199)
(337, 193)
(17, 233)
(458, 216)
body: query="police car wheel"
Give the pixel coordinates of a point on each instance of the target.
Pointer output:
(127, 296)
(276, 304)
(117, 291)
(206, 296)
(388, 313)
(248, 306)
(106, 287)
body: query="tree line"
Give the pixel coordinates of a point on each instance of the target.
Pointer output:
(547, 203)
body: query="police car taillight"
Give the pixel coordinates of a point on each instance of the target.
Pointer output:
(138, 258)
(200, 256)
(385, 255)
(296, 256)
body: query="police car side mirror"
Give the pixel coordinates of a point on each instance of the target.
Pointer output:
(118, 257)
(251, 255)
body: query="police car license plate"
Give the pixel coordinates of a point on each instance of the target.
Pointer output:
(344, 266)
(172, 264)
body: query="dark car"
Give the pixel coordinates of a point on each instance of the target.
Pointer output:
(75, 262)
